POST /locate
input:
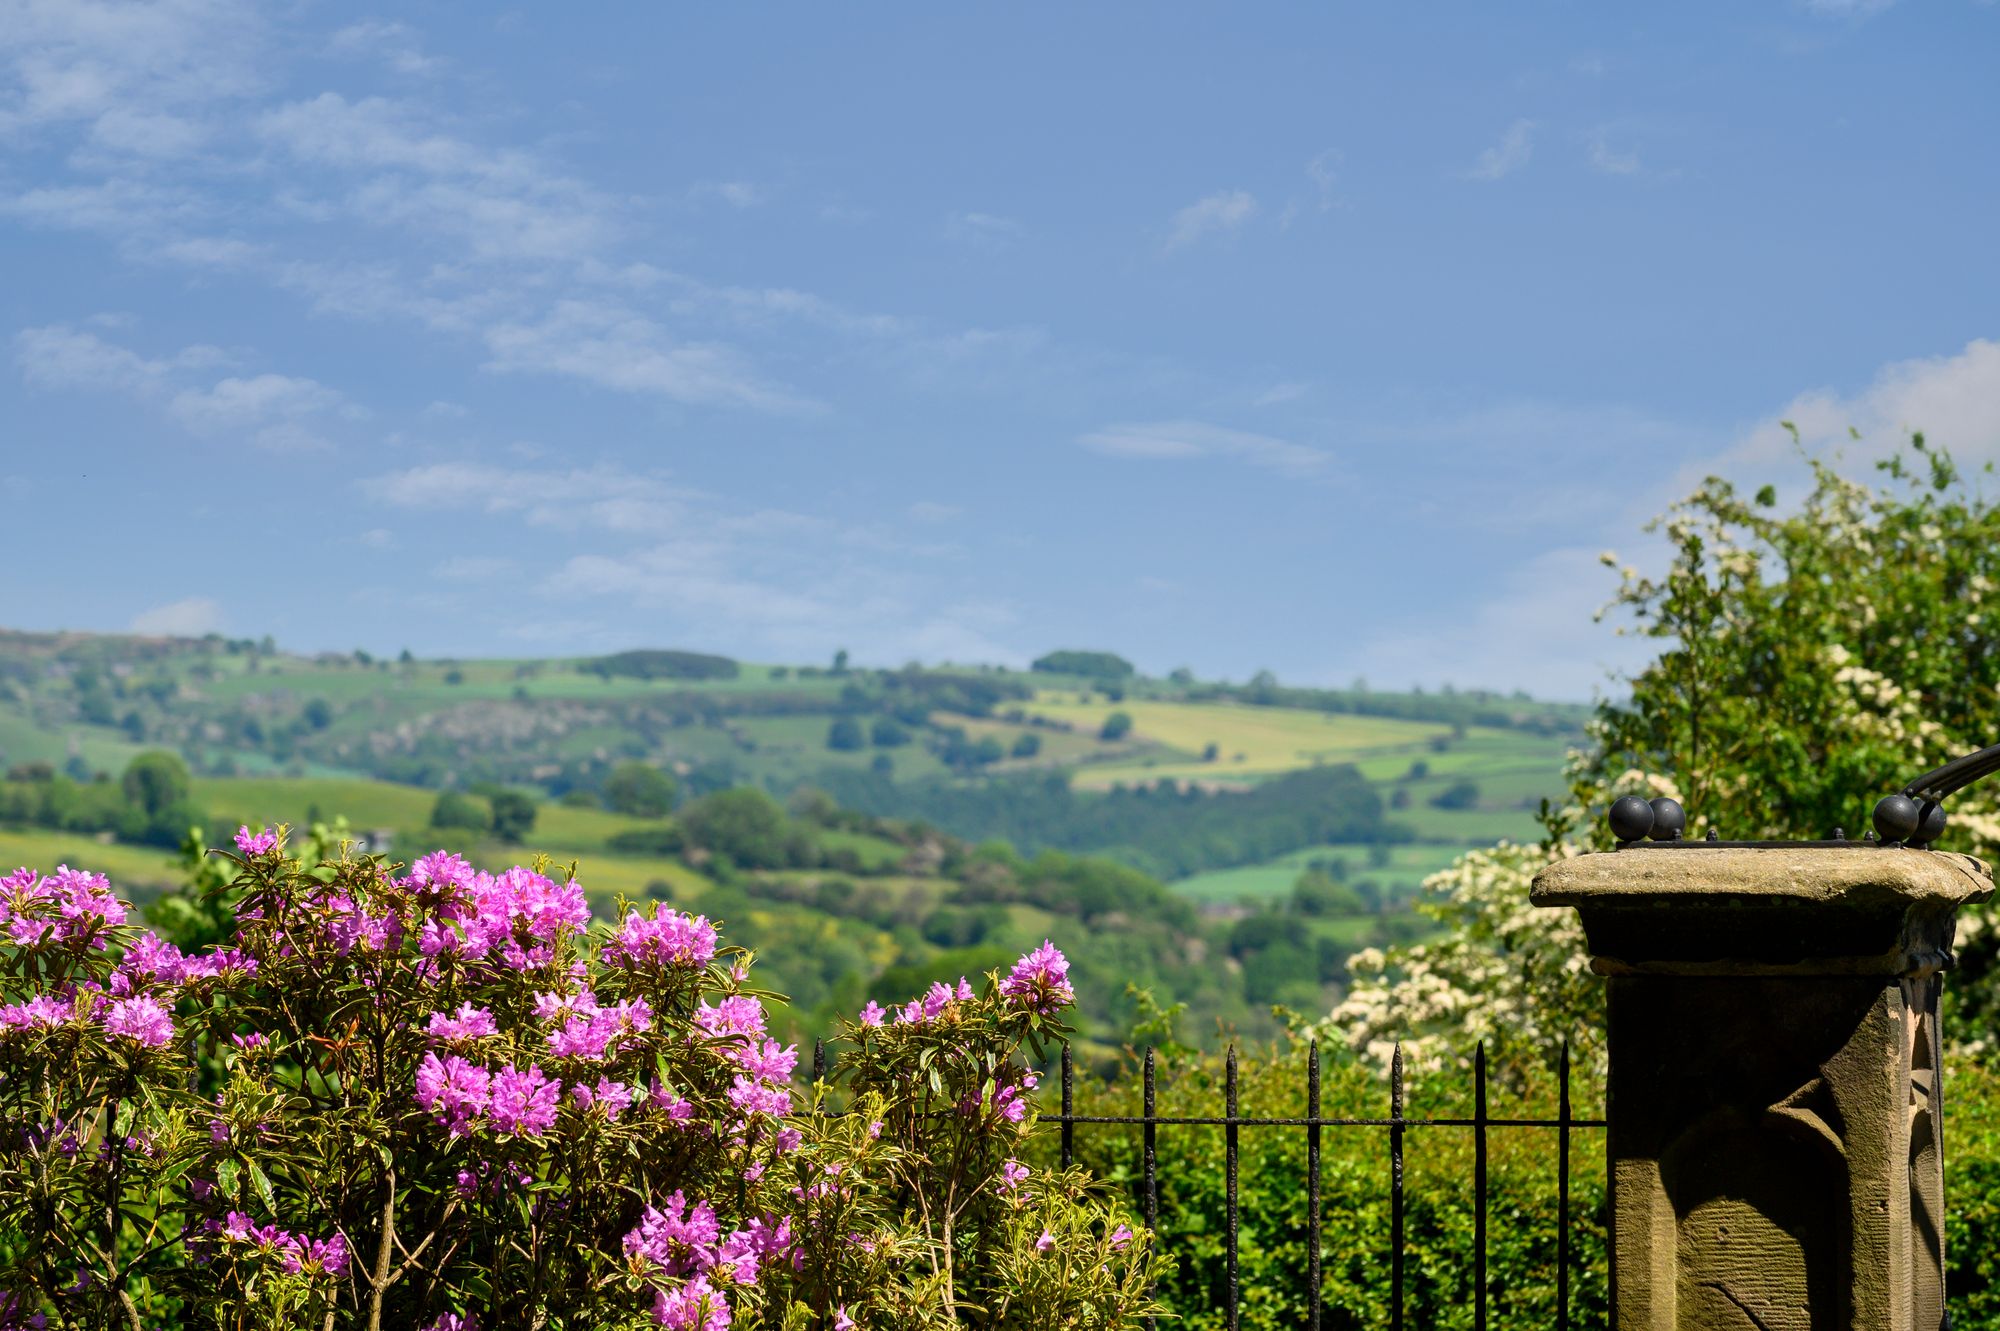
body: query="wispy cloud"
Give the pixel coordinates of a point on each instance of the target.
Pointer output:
(1220, 213)
(794, 584)
(1509, 155)
(394, 44)
(983, 230)
(283, 413)
(1174, 440)
(930, 510)
(180, 619)
(1608, 161)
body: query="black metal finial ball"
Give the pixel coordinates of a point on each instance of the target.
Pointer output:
(1669, 819)
(1897, 817)
(1930, 823)
(1631, 818)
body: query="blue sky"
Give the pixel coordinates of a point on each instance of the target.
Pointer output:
(1335, 340)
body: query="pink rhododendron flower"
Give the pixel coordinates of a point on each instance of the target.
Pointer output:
(1120, 1237)
(1040, 981)
(1012, 1175)
(524, 1103)
(667, 939)
(456, 1091)
(471, 1023)
(40, 1013)
(139, 1019)
(613, 1097)
(872, 1014)
(732, 1016)
(1046, 1243)
(454, 1322)
(255, 843)
(695, 1306)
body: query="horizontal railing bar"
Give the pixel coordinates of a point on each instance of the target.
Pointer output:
(1327, 1122)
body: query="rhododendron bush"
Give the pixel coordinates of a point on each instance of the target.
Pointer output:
(434, 1097)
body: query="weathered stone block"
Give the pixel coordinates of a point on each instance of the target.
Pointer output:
(1774, 1098)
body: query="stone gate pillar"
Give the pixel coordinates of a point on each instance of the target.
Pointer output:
(1774, 1102)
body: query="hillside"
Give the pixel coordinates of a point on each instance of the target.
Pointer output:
(937, 817)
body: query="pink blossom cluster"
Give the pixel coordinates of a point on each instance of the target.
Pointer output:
(763, 1083)
(684, 1243)
(256, 843)
(294, 1251)
(932, 1005)
(590, 1031)
(463, 1095)
(667, 938)
(1039, 981)
(515, 916)
(471, 1023)
(67, 906)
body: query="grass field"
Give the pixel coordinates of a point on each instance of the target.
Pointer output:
(1408, 866)
(128, 867)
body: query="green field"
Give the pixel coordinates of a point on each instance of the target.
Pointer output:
(1407, 867)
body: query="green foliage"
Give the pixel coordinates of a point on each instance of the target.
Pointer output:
(1461, 794)
(513, 815)
(845, 735)
(155, 780)
(457, 809)
(1026, 745)
(1813, 659)
(1354, 1206)
(1116, 727)
(660, 664)
(641, 790)
(1090, 665)
(887, 733)
(1165, 829)
(744, 826)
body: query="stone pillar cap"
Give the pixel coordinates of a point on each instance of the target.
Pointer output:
(1779, 910)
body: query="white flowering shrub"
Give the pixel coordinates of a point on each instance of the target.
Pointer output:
(439, 1099)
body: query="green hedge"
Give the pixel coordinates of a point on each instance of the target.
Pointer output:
(1354, 1182)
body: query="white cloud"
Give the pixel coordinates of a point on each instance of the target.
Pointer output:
(1320, 171)
(1218, 214)
(1856, 9)
(735, 193)
(930, 510)
(1509, 155)
(180, 619)
(982, 230)
(472, 568)
(1954, 400)
(1605, 159)
(1192, 439)
(1285, 391)
(611, 345)
(395, 44)
(275, 411)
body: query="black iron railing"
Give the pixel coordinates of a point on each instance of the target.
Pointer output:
(1149, 1121)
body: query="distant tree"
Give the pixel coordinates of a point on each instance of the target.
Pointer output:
(1419, 769)
(318, 713)
(1181, 675)
(156, 780)
(1399, 798)
(513, 815)
(845, 734)
(887, 733)
(579, 798)
(840, 662)
(1460, 794)
(1091, 665)
(1026, 745)
(743, 825)
(882, 765)
(640, 790)
(454, 676)
(1116, 726)
(1211, 751)
(1316, 894)
(405, 658)
(134, 727)
(650, 663)
(456, 809)
(988, 750)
